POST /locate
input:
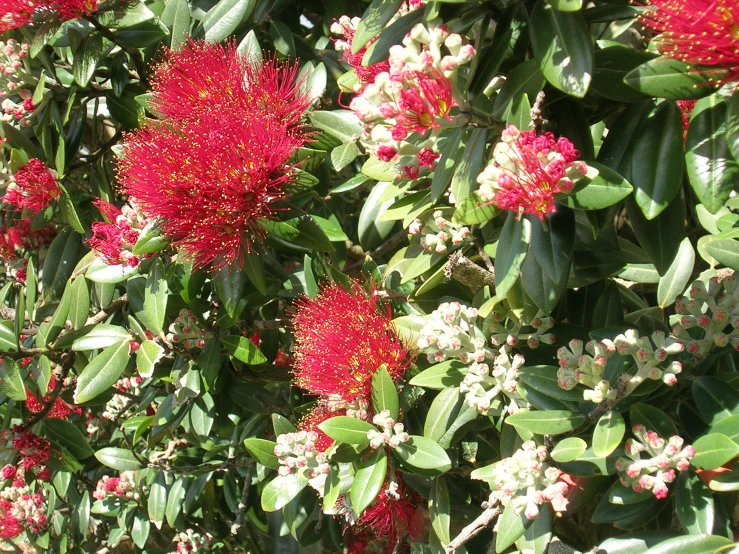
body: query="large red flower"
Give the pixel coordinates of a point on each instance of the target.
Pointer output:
(342, 339)
(220, 157)
(34, 187)
(17, 13)
(704, 33)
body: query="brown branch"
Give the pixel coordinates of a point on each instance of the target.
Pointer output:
(244, 497)
(270, 324)
(465, 271)
(111, 308)
(473, 529)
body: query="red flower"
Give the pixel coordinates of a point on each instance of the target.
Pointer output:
(214, 167)
(22, 237)
(341, 340)
(686, 109)
(74, 9)
(113, 241)
(33, 450)
(60, 409)
(700, 32)
(347, 27)
(528, 170)
(15, 13)
(313, 419)
(34, 187)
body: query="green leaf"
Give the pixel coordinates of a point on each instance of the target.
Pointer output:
(728, 426)
(223, 18)
(69, 436)
(393, 34)
(282, 425)
(547, 422)
(694, 504)
(611, 66)
(712, 170)
(714, 399)
(604, 190)
(606, 512)
(59, 264)
(343, 155)
(342, 124)
(157, 502)
(230, 286)
(155, 297)
(100, 272)
(440, 510)
(422, 453)
(676, 278)
(263, 451)
(67, 206)
(174, 501)
(102, 372)
(451, 147)
(79, 302)
(512, 246)
(552, 246)
(635, 543)
(43, 35)
(371, 227)
(119, 459)
(124, 108)
(101, 335)
(384, 393)
(374, 20)
(12, 380)
(566, 5)
(693, 544)
(470, 165)
(86, 58)
(147, 357)
(243, 349)
(176, 16)
(472, 209)
(368, 480)
(622, 495)
(280, 491)
(511, 527)
(449, 373)
(569, 449)
(725, 251)
(538, 535)
(563, 47)
(656, 168)
(8, 338)
(544, 379)
(669, 78)
(302, 232)
(347, 429)
(660, 238)
(732, 126)
(608, 433)
(525, 80)
(653, 419)
(282, 38)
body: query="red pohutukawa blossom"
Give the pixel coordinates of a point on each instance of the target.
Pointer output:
(528, 170)
(114, 241)
(686, 110)
(220, 158)
(313, 419)
(704, 33)
(346, 27)
(33, 451)
(342, 338)
(34, 187)
(60, 409)
(17, 13)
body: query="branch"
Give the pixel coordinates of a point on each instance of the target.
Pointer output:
(380, 251)
(467, 272)
(473, 529)
(270, 324)
(111, 308)
(242, 503)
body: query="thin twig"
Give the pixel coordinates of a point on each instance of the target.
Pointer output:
(380, 251)
(111, 308)
(473, 529)
(270, 324)
(244, 497)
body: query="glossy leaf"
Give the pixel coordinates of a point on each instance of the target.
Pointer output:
(368, 480)
(608, 433)
(102, 372)
(676, 278)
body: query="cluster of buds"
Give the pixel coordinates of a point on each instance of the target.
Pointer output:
(451, 332)
(509, 329)
(658, 468)
(20, 110)
(12, 69)
(576, 367)
(392, 435)
(123, 487)
(497, 391)
(708, 311)
(435, 232)
(648, 355)
(358, 408)
(131, 387)
(192, 542)
(21, 510)
(113, 241)
(527, 171)
(297, 454)
(413, 97)
(527, 481)
(186, 331)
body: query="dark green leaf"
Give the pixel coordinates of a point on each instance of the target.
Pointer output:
(243, 349)
(548, 422)
(608, 433)
(368, 480)
(669, 78)
(347, 429)
(102, 372)
(694, 504)
(384, 393)
(223, 18)
(512, 246)
(119, 459)
(425, 454)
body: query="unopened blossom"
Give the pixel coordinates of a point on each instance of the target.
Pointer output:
(123, 487)
(395, 516)
(527, 481)
(187, 332)
(452, 331)
(113, 240)
(342, 337)
(708, 317)
(414, 96)
(528, 170)
(702, 33)
(34, 187)
(213, 167)
(652, 461)
(512, 330)
(21, 510)
(129, 388)
(18, 111)
(492, 388)
(192, 542)
(586, 368)
(298, 455)
(392, 434)
(60, 409)
(13, 72)
(437, 234)
(686, 110)
(650, 357)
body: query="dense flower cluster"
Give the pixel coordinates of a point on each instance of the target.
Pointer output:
(17, 13)
(60, 409)
(699, 32)
(113, 241)
(186, 331)
(527, 171)
(123, 486)
(649, 355)
(210, 200)
(654, 471)
(451, 331)
(21, 510)
(494, 392)
(12, 71)
(413, 97)
(33, 451)
(392, 434)
(708, 316)
(577, 367)
(435, 232)
(34, 187)
(19, 238)
(512, 330)
(527, 481)
(297, 454)
(131, 386)
(192, 542)
(342, 338)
